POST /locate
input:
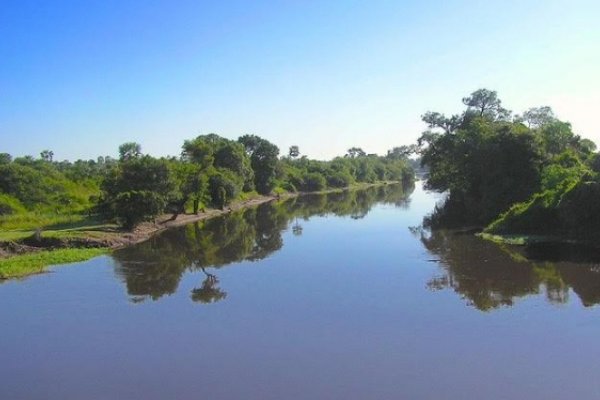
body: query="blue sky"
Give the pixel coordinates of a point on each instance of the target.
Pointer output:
(82, 77)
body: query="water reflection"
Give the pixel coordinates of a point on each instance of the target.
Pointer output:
(209, 292)
(489, 275)
(154, 268)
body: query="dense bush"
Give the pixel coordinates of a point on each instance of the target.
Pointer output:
(338, 179)
(313, 182)
(538, 215)
(224, 186)
(211, 170)
(579, 210)
(136, 206)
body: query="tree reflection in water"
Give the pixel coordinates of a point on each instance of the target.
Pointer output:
(489, 275)
(154, 268)
(209, 292)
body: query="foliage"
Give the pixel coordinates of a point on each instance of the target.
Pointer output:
(211, 171)
(137, 190)
(533, 216)
(570, 209)
(579, 210)
(313, 182)
(10, 205)
(135, 206)
(294, 151)
(155, 268)
(487, 163)
(130, 150)
(263, 157)
(224, 186)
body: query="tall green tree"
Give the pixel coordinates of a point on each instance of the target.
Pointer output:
(486, 165)
(138, 190)
(263, 158)
(485, 103)
(294, 152)
(129, 150)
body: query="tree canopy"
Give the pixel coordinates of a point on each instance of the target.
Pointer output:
(526, 168)
(211, 171)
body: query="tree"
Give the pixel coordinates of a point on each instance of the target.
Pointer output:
(191, 185)
(223, 186)
(129, 151)
(587, 146)
(209, 292)
(232, 156)
(485, 103)
(198, 151)
(354, 152)
(47, 155)
(556, 137)
(437, 120)
(214, 156)
(138, 190)
(487, 164)
(313, 182)
(537, 117)
(135, 206)
(401, 152)
(5, 158)
(263, 158)
(294, 151)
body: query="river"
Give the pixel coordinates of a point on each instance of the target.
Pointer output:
(341, 296)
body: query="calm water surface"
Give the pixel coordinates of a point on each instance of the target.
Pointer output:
(321, 297)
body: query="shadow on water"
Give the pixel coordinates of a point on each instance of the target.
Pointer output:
(154, 268)
(490, 276)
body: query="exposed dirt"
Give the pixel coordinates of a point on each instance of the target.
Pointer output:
(115, 238)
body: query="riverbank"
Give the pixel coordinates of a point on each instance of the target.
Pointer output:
(26, 252)
(531, 239)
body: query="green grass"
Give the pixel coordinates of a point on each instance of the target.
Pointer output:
(522, 240)
(76, 226)
(34, 220)
(518, 240)
(249, 195)
(27, 264)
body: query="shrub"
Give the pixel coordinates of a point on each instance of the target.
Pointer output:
(579, 208)
(134, 207)
(223, 186)
(313, 182)
(339, 179)
(538, 215)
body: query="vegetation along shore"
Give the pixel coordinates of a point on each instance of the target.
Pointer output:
(54, 212)
(520, 178)
(516, 178)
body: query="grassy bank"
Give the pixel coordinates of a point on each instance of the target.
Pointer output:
(107, 236)
(524, 240)
(34, 263)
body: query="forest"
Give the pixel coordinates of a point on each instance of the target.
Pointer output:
(211, 171)
(511, 174)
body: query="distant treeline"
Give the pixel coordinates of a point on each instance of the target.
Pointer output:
(517, 174)
(211, 171)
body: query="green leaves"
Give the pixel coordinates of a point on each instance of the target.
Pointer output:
(138, 190)
(489, 165)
